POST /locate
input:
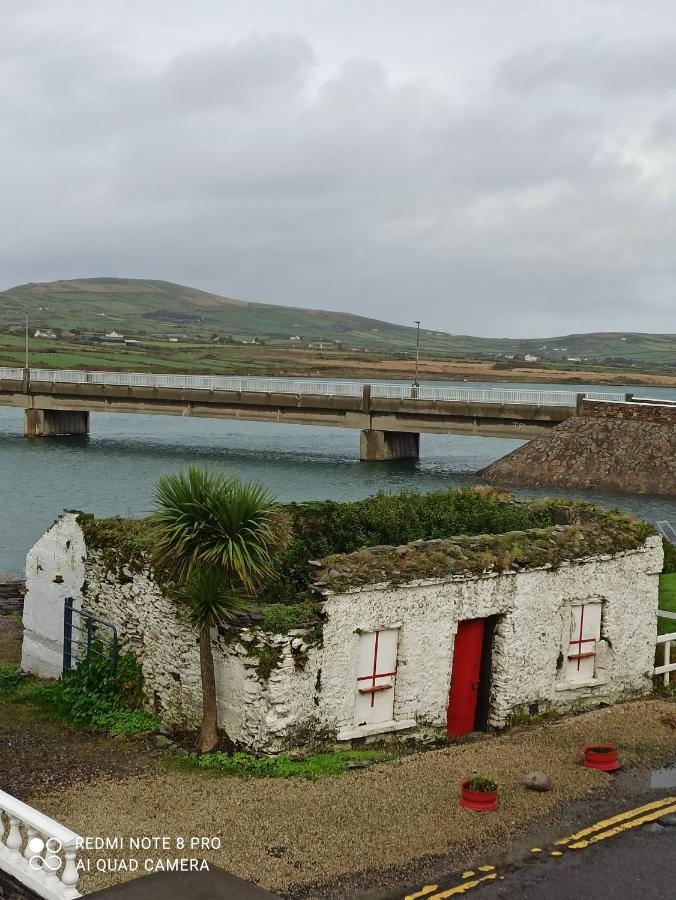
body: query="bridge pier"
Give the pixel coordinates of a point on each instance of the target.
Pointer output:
(377, 446)
(53, 422)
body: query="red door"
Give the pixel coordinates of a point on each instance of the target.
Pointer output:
(462, 699)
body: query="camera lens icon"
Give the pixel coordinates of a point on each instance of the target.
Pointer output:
(51, 862)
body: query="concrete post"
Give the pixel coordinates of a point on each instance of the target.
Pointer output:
(54, 422)
(366, 398)
(378, 446)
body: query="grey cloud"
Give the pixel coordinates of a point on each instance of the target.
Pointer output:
(529, 195)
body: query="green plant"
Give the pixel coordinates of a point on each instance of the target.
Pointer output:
(481, 783)
(244, 765)
(216, 539)
(669, 557)
(99, 695)
(10, 678)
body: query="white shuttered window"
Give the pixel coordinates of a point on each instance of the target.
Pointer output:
(376, 674)
(585, 633)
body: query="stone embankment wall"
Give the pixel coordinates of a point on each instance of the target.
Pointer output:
(281, 690)
(611, 446)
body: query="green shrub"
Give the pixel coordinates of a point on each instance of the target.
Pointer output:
(325, 527)
(99, 695)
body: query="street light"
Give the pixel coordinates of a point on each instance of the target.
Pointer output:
(417, 351)
(26, 366)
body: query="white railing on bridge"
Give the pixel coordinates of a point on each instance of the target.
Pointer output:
(37, 851)
(667, 666)
(11, 374)
(323, 388)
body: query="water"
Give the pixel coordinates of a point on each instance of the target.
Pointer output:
(114, 469)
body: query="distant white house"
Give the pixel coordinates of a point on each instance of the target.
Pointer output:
(113, 336)
(530, 357)
(45, 333)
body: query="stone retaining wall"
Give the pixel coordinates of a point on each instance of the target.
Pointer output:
(612, 446)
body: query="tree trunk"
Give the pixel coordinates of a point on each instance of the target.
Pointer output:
(209, 732)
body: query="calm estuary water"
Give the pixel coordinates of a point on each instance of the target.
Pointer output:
(114, 469)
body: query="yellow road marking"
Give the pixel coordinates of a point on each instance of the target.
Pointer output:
(423, 892)
(624, 826)
(462, 888)
(599, 831)
(621, 817)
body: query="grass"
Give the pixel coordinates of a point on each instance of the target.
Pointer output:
(667, 602)
(319, 765)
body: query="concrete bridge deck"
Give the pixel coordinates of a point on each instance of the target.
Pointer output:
(391, 417)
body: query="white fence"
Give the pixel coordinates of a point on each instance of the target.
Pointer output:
(37, 851)
(300, 388)
(667, 640)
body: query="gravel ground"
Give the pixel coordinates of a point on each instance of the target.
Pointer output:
(286, 834)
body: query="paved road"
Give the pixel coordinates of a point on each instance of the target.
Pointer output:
(637, 865)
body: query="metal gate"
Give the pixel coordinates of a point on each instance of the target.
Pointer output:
(84, 634)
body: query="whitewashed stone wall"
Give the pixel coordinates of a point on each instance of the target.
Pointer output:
(312, 689)
(255, 712)
(58, 555)
(532, 631)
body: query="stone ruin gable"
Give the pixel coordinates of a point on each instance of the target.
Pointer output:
(534, 605)
(61, 552)
(610, 446)
(258, 711)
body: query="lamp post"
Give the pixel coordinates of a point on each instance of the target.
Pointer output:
(417, 351)
(26, 365)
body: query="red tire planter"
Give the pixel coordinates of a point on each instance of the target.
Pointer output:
(481, 801)
(601, 756)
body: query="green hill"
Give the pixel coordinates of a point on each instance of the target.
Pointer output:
(142, 308)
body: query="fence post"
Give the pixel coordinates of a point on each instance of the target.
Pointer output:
(667, 660)
(67, 634)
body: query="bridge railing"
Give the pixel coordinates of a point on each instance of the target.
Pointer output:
(484, 395)
(322, 388)
(11, 374)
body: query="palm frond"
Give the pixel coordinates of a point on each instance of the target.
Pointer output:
(205, 518)
(207, 598)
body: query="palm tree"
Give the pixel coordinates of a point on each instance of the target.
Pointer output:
(216, 540)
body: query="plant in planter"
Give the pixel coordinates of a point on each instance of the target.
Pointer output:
(479, 793)
(601, 756)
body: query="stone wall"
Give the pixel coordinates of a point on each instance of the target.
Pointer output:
(276, 691)
(611, 446)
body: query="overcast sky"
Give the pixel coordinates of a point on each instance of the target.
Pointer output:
(493, 167)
